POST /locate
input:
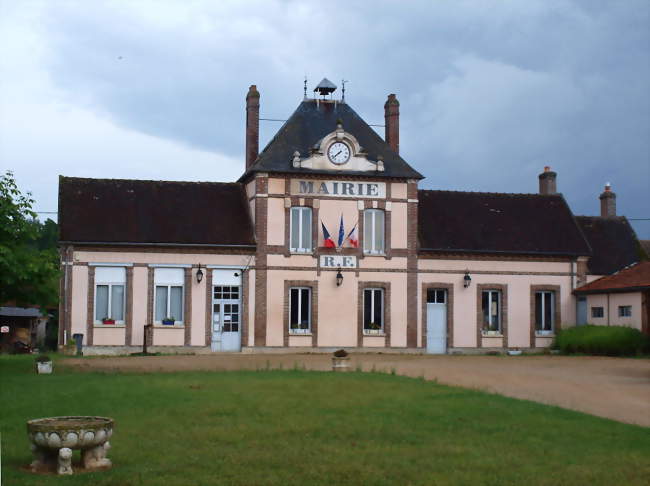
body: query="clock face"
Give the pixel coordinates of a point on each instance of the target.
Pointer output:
(338, 153)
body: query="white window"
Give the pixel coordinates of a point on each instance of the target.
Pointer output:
(168, 296)
(300, 310)
(301, 230)
(373, 231)
(436, 296)
(544, 312)
(373, 311)
(597, 312)
(110, 285)
(491, 306)
(624, 311)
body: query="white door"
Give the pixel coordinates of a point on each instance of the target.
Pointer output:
(582, 311)
(436, 321)
(226, 318)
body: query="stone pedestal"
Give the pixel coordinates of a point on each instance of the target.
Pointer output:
(53, 440)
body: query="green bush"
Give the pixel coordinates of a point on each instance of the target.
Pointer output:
(602, 340)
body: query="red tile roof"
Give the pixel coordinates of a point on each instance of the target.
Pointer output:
(635, 277)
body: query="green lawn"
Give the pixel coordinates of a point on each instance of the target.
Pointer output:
(315, 428)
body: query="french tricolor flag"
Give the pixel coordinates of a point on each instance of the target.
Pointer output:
(328, 242)
(352, 237)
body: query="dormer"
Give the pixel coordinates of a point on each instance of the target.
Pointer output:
(325, 136)
(337, 151)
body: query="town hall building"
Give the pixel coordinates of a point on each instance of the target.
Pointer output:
(325, 241)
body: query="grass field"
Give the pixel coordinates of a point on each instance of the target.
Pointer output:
(304, 428)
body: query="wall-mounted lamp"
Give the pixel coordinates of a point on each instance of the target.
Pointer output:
(467, 279)
(339, 277)
(199, 274)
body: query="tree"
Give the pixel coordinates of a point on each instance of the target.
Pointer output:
(29, 269)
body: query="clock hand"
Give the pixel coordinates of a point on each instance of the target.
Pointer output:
(337, 153)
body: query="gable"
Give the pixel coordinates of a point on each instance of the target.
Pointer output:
(305, 131)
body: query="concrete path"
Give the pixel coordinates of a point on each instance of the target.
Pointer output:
(615, 388)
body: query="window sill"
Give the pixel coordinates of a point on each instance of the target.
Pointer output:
(495, 334)
(164, 326)
(374, 334)
(374, 254)
(300, 333)
(544, 334)
(109, 326)
(296, 252)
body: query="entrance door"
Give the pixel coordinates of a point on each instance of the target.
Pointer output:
(436, 321)
(226, 318)
(582, 311)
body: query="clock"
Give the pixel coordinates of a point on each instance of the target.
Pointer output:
(338, 153)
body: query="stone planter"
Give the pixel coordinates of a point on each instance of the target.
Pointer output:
(340, 364)
(514, 352)
(44, 367)
(53, 439)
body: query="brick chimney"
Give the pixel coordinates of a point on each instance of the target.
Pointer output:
(391, 116)
(252, 125)
(547, 181)
(608, 202)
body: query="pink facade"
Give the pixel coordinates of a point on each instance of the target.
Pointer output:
(612, 313)
(337, 308)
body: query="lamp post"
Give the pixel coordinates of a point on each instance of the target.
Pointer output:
(199, 275)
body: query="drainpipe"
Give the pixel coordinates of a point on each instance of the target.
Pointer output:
(608, 309)
(573, 286)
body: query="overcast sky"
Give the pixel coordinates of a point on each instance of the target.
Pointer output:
(490, 91)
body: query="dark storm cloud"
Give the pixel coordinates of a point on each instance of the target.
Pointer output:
(490, 92)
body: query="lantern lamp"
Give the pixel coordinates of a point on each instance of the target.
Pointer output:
(339, 277)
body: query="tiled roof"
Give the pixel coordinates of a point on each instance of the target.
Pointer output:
(635, 277)
(309, 124)
(474, 222)
(153, 212)
(613, 242)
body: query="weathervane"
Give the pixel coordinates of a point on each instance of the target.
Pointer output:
(305, 86)
(343, 81)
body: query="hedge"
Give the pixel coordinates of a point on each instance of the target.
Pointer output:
(602, 340)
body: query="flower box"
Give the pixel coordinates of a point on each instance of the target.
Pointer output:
(107, 321)
(168, 322)
(44, 368)
(43, 365)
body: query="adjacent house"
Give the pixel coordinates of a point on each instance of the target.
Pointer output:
(325, 241)
(621, 299)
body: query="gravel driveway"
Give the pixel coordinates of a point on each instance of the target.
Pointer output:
(615, 388)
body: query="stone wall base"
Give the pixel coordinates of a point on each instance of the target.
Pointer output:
(327, 350)
(479, 351)
(127, 350)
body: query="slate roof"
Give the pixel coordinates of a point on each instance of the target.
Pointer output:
(645, 245)
(635, 277)
(475, 222)
(20, 312)
(153, 212)
(308, 125)
(613, 242)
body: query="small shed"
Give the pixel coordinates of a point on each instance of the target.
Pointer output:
(620, 299)
(24, 324)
